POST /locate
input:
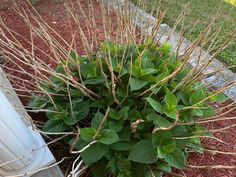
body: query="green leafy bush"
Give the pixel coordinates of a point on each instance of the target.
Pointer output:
(133, 106)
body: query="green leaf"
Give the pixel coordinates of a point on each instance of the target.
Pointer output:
(197, 112)
(146, 62)
(176, 159)
(164, 167)
(87, 134)
(197, 96)
(180, 131)
(108, 137)
(219, 98)
(57, 83)
(181, 144)
(114, 115)
(37, 103)
(59, 69)
(125, 134)
(158, 120)
(94, 81)
(112, 165)
(71, 120)
(73, 55)
(149, 78)
(99, 169)
(167, 149)
(82, 60)
(80, 144)
(80, 111)
(183, 96)
(171, 113)
(155, 105)
(124, 166)
(124, 112)
(148, 71)
(121, 91)
(173, 61)
(165, 48)
(136, 84)
(170, 100)
(162, 138)
(94, 153)
(208, 112)
(201, 131)
(121, 146)
(161, 122)
(56, 115)
(96, 120)
(55, 126)
(89, 70)
(76, 94)
(143, 152)
(196, 148)
(135, 71)
(117, 126)
(134, 115)
(148, 41)
(110, 47)
(155, 90)
(138, 169)
(162, 76)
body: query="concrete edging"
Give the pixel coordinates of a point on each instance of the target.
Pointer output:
(166, 34)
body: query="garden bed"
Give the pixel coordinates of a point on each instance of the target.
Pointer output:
(54, 13)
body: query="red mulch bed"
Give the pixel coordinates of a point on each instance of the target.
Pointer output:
(229, 145)
(54, 13)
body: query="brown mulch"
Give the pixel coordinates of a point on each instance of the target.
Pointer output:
(228, 144)
(54, 13)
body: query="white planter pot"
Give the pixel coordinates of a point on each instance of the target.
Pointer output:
(22, 150)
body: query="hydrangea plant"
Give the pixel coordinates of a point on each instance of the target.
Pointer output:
(132, 107)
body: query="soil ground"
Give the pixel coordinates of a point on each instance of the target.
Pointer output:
(54, 13)
(228, 144)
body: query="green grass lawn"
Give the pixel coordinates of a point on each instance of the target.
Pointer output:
(201, 10)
